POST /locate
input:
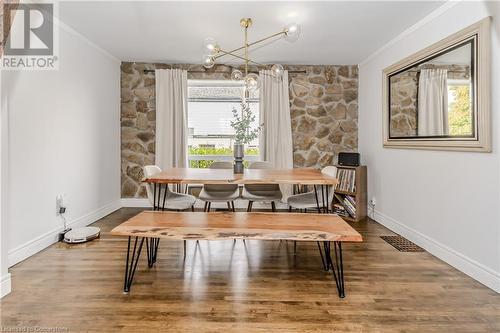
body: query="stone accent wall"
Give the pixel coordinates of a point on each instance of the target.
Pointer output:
(404, 90)
(324, 114)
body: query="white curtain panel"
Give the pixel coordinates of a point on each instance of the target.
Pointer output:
(276, 136)
(433, 102)
(171, 118)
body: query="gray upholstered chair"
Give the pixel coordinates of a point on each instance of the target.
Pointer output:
(219, 192)
(308, 200)
(261, 192)
(174, 200)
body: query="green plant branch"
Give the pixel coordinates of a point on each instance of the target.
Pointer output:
(244, 134)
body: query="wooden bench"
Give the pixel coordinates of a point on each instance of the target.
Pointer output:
(151, 226)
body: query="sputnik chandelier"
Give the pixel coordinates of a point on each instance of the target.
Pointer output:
(212, 52)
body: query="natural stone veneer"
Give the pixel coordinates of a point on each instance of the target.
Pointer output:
(324, 113)
(404, 88)
(323, 107)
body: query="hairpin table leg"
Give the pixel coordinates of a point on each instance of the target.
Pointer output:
(337, 267)
(131, 263)
(154, 197)
(316, 196)
(152, 250)
(325, 266)
(164, 197)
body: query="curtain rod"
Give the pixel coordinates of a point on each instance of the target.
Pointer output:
(420, 69)
(146, 71)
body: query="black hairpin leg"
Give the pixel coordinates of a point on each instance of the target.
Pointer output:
(164, 197)
(327, 199)
(152, 250)
(323, 258)
(157, 198)
(316, 196)
(154, 196)
(337, 267)
(322, 198)
(131, 263)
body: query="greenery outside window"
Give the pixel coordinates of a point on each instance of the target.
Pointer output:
(210, 135)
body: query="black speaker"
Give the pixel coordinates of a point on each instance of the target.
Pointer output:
(349, 159)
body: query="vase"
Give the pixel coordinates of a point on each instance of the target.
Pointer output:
(239, 153)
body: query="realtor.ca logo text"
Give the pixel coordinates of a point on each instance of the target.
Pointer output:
(30, 41)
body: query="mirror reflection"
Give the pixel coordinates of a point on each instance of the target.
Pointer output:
(434, 98)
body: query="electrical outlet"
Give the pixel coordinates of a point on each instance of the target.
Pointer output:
(373, 201)
(60, 204)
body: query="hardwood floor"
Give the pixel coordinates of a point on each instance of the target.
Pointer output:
(257, 286)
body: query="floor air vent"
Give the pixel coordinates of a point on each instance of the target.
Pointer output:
(402, 244)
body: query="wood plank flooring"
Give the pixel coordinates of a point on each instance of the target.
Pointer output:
(257, 286)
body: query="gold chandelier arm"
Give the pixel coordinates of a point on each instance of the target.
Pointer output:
(251, 44)
(236, 56)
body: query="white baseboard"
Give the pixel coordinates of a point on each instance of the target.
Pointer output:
(240, 204)
(5, 287)
(33, 246)
(475, 270)
(135, 202)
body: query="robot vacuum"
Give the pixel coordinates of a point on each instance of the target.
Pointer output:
(81, 235)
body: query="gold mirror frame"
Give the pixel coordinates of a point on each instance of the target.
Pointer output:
(481, 142)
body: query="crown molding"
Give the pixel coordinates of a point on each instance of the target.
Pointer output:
(434, 14)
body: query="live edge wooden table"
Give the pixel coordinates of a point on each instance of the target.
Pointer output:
(301, 176)
(150, 226)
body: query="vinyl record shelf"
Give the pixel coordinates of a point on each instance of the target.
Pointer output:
(350, 197)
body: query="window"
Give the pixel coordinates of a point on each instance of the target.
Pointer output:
(211, 137)
(459, 107)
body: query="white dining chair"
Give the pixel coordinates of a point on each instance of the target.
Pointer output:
(173, 200)
(219, 192)
(308, 200)
(261, 192)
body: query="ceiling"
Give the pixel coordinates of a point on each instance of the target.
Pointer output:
(332, 32)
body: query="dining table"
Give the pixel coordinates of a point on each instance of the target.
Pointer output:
(321, 183)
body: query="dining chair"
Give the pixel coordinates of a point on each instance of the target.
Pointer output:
(308, 200)
(261, 192)
(219, 192)
(173, 200)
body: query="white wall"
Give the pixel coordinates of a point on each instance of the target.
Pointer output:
(63, 138)
(447, 202)
(5, 283)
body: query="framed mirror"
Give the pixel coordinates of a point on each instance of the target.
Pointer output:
(439, 97)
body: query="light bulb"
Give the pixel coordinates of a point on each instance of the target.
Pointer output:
(252, 82)
(209, 45)
(236, 75)
(292, 32)
(208, 61)
(277, 70)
